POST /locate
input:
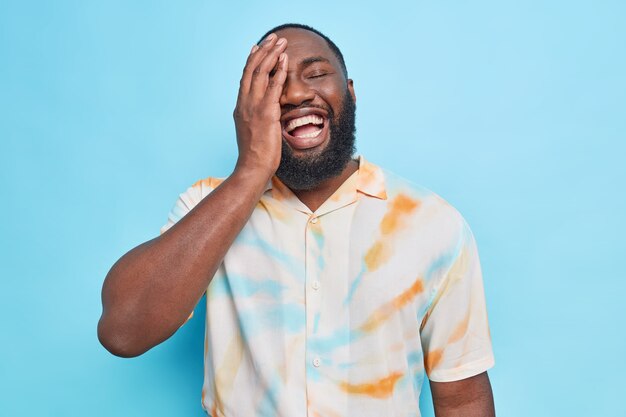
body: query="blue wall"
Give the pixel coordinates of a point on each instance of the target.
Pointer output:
(515, 112)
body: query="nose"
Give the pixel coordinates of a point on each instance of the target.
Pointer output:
(296, 92)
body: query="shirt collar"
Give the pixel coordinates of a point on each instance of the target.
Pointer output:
(369, 179)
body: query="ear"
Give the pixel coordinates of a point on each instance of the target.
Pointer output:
(351, 89)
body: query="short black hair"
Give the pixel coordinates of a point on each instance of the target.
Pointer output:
(330, 43)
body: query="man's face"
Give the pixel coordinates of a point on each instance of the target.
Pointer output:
(318, 113)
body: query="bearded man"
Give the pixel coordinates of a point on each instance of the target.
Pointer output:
(333, 287)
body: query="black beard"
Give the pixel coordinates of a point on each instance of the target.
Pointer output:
(306, 173)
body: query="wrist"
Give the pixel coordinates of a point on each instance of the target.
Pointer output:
(254, 169)
(253, 176)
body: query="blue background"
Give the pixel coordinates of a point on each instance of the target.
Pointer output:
(515, 112)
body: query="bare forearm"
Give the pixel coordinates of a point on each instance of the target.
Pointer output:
(151, 290)
(471, 397)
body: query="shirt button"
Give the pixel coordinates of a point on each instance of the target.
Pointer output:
(316, 362)
(313, 220)
(315, 285)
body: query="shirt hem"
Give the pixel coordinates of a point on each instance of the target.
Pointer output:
(465, 371)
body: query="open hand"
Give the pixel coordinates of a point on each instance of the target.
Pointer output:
(257, 113)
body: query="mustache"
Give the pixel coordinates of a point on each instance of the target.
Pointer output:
(289, 107)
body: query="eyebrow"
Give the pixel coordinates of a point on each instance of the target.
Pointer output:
(311, 60)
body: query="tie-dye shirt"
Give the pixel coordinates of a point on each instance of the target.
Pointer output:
(342, 311)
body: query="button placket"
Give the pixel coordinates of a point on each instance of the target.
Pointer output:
(312, 287)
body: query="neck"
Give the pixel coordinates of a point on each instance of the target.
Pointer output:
(315, 197)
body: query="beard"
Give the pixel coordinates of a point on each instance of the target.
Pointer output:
(307, 172)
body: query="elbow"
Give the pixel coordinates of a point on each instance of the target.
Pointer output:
(117, 342)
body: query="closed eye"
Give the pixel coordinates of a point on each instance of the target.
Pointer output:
(318, 75)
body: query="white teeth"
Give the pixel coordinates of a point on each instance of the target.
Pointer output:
(310, 135)
(301, 121)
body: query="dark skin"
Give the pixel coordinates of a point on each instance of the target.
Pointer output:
(314, 78)
(151, 290)
(470, 397)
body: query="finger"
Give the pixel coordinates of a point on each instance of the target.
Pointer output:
(254, 59)
(261, 74)
(276, 83)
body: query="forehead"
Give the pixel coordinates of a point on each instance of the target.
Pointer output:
(302, 44)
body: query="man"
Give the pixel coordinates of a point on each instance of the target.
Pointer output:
(332, 285)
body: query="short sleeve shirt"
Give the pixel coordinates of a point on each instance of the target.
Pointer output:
(342, 311)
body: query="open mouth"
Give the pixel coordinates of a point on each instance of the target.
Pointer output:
(306, 131)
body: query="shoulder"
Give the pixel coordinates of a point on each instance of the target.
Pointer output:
(401, 190)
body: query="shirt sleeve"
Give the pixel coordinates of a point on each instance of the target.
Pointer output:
(455, 332)
(185, 203)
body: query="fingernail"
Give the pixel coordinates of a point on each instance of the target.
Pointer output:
(280, 42)
(254, 49)
(269, 38)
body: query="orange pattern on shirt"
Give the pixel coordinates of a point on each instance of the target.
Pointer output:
(380, 389)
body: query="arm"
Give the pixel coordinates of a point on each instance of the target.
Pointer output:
(455, 336)
(470, 397)
(150, 291)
